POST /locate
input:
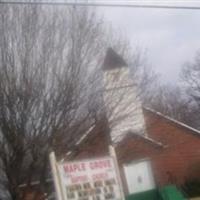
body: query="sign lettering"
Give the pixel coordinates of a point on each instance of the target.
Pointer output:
(94, 179)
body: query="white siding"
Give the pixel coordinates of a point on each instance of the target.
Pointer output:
(124, 110)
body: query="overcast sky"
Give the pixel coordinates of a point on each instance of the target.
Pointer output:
(171, 36)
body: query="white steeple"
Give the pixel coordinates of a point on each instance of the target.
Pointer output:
(121, 100)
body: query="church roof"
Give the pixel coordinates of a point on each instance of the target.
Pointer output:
(113, 60)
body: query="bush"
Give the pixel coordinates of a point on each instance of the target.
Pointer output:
(192, 187)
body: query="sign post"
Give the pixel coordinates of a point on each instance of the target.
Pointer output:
(113, 154)
(55, 174)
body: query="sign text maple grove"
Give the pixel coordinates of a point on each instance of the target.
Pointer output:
(94, 179)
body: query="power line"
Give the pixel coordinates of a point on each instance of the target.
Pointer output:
(101, 5)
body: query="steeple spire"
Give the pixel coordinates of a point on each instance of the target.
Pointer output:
(113, 60)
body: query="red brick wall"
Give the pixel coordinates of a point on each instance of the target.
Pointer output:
(182, 151)
(172, 163)
(32, 193)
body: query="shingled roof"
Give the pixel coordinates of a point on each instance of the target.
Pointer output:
(113, 60)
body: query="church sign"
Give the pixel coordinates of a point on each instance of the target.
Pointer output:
(94, 179)
(90, 180)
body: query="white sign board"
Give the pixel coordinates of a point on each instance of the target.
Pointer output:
(94, 179)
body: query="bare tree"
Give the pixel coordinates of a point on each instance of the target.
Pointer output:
(46, 56)
(191, 74)
(50, 87)
(171, 101)
(191, 83)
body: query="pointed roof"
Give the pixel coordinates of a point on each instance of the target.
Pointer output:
(178, 123)
(113, 60)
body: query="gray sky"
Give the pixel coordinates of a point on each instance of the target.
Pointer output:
(171, 36)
